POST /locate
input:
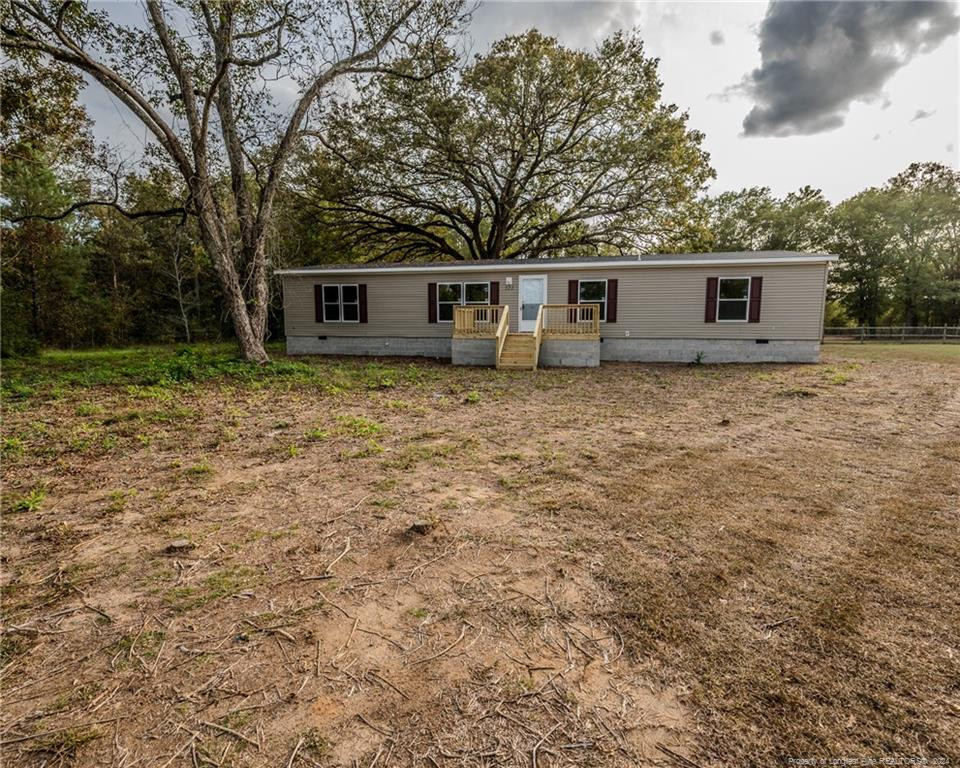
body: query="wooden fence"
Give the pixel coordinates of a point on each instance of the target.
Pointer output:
(898, 333)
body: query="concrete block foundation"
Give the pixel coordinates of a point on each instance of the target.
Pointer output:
(383, 346)
(576, 353)
(474, 352)
(570, 353)
(712, 350)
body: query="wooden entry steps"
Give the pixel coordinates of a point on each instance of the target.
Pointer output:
(519, 352)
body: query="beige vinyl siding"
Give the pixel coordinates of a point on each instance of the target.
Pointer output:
(652, 302)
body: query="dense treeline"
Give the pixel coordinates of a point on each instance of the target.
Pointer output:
(94, 277)
(416, 173)
(899, 244)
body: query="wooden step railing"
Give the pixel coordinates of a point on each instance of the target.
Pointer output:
(569, 321)
(581, 321)
(537, 337)
(503, 328)
(478, 320)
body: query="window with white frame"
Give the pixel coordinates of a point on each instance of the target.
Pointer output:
(341, 304)
(733, 299)
(450, 295)
(476, 293)
(594, 292)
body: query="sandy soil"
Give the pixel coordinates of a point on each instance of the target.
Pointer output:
(637, 565)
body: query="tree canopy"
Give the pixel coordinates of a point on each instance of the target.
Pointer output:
(530, 150)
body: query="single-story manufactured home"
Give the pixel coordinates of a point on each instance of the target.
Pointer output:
(764, 306)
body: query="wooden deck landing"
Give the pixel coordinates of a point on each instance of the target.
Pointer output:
(522, 350)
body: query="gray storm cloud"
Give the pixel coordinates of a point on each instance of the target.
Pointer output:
(819, 57)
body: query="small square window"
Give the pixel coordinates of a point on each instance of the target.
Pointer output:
(341, 303)
(594, 292)
(331, 294)
(733, 299)
(449, 295)
(477, 293)
(734, 287)
(449, 292)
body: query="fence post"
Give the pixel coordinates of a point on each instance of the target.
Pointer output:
(944, 334)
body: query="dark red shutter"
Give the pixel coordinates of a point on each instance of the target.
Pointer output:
(756, 291)
(611, 301)
(431, 302)
(362, 300)
(318, 303)
(573, 292)
(494, 291)
(710, 313)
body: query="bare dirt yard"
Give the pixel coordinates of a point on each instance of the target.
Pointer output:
(348, 563)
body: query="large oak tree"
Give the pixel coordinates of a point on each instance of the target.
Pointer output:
(531, 150)
(201, 77)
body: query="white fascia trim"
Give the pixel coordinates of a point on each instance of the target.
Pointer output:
(522, 266)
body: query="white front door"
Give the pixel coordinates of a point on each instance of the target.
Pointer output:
(533, 293)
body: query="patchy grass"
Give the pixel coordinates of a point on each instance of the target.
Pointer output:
(218, 585)
(31, 501)
(405, 563)
(152, 372)
(199, 470)
(882, 352)
(61, 748)
(359, 426)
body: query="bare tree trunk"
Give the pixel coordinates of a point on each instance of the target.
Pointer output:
(178, 281)
(216, 240)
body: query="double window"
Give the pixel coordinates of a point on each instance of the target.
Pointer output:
(450, 295)
(341, 304)
(593, 292)
(733, 299)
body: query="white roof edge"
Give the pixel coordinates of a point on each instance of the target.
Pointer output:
(532, 265)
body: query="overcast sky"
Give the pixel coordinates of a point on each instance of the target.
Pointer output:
(840, 95)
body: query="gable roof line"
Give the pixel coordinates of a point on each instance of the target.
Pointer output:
(742, 258)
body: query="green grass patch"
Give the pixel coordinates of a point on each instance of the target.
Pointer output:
(199, 470)
(32, 501)
(147, 371)
(217, 585)
(118, 501)
(11, 447)
(155, 372)
(359, 426)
